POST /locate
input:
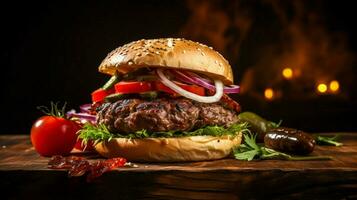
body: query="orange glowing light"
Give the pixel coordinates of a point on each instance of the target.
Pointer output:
(287, 73)
(269, 93)
(334, 86)
(322, 88)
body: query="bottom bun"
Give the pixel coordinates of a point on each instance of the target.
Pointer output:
(194, 148)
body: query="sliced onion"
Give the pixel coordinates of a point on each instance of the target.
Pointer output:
(82, 116)
(211, 99)
(85, 108)
(192, 74)
(182, 77)
(190, 77)
(231, 89)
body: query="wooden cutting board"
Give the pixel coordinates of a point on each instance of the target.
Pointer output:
(24, 174)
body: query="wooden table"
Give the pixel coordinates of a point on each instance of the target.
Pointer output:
(24, 175)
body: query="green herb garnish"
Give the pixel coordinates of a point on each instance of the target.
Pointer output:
(96, 133)
(274, 124)
(250, 150)
(332, 141)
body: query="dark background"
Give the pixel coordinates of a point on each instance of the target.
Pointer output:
(51, 51)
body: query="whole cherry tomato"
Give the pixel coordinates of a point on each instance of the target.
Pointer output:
(54, 135)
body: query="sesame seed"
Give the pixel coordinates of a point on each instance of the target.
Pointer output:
(169, 42)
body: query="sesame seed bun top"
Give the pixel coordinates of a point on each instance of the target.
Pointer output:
(173, 53)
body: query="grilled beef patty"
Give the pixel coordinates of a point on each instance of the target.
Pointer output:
(130, 115)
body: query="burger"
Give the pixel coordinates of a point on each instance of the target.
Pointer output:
(167, 101)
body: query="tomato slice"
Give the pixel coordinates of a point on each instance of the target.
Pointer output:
(129, 87)
(99, 94)
(125, 87)
(191, 88)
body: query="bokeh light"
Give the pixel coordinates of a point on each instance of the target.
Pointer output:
(269, 93)
(321, 88)
(287, 73)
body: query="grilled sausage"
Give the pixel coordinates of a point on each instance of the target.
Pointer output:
(289, 140)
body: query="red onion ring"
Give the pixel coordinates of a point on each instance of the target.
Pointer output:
(192, 78)
(82, 116)
(85, 108)
(204, 99)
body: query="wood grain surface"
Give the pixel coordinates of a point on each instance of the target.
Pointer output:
(24, 175)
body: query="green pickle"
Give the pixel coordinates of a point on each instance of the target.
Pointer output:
(115, 97)
(118, 96)
(257, 124)
(112, 81)
(149, 95)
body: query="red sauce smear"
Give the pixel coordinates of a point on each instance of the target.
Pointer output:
(79, 166)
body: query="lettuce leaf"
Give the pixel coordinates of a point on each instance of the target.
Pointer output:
(100, 132)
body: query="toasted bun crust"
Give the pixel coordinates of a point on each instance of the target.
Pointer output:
(170, 53)
(194, 148)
